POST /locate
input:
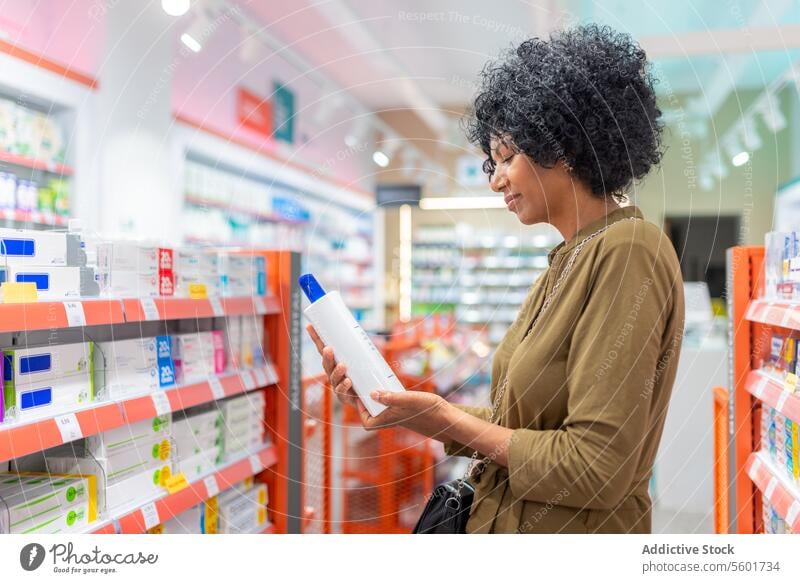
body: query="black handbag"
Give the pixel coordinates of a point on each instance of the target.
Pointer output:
(447, 510)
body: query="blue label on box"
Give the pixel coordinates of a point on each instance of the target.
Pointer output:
(17, 247)
(42, 280)
(8, 368)
(166, 368)
(35, 363)
(37, 398)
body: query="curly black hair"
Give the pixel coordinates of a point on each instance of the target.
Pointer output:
(584, 97)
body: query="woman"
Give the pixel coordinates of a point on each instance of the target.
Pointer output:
(568, 126)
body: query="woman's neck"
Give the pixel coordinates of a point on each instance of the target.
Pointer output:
(585, 210)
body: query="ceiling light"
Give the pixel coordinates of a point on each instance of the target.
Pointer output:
(191, 42)
(741, 159)
(175, 7)
(380, 158)
(752, 141)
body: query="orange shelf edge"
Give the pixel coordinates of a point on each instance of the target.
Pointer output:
(785, 502)
(174, 504)
(19, 440)
(768, 390)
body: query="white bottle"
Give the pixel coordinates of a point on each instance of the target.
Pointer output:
(338, 329)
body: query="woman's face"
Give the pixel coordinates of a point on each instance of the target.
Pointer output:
(531, 191)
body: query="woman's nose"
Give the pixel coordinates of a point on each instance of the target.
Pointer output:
(497, 182)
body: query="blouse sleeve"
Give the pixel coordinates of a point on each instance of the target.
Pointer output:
(613, 356)
(454, 448)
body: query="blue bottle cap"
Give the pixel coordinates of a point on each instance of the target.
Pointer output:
(311, 287)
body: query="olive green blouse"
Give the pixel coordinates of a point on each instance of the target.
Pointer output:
(588, 389)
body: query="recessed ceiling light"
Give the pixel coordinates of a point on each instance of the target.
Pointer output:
(175, 7)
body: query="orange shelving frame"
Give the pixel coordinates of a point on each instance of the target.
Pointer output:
(751, 476)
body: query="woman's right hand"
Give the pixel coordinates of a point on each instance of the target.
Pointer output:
(337, 373)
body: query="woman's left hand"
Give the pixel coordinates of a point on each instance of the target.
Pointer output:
(425, 413)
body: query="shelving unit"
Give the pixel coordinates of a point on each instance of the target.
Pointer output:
(480, 278)
(751, 476)
(277, 463)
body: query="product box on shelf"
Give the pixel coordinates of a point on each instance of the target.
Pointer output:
(126, 268)
(243, 509)
(35, 508)
(198, 355)
(136, 365)
(200, 464)
(107, 443)
(27, 247)
(55, 282)
(47, 379)
(251, 345)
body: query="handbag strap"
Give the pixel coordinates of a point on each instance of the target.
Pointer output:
(547, 301)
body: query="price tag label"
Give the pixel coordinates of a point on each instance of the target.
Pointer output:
(248, 380)
(150, 515)
(211, 486)
(216, 306)
(69, 427)
(161, 403)
(216, 388)
(261, 377)
(260, 304)
(75, 314)
(150, 309)
(255, 464)
(176, 483)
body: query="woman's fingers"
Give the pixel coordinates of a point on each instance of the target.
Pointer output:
(338, 374)
(315, 337)
(328, 360)
(344, 391)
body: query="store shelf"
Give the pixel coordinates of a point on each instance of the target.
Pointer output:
(34, 217)
(182, 308)
(775, 313)
(172, 505)
(782, 495)
(34, 164)
(195, 200)
(98, 312)
(49, 315)
(21, 439)
(770, 390)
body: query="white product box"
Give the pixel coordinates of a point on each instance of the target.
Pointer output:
(243, 512)
(184, 281)
(146, 455)
(187, 445)
(109, 442)
(26, 247)
(233, 337)
(47, 398)
(136, 488)
(206, 422)
(189, 522)
(53, 282)
(251, 404)
(129, 284)
(195, 356)
(113, 256)
(195, 262)
(65, 521)
(34, 364)
(200, 464)
(33, 506)
(136, 365)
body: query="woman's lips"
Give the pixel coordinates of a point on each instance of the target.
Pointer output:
(509, 198)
